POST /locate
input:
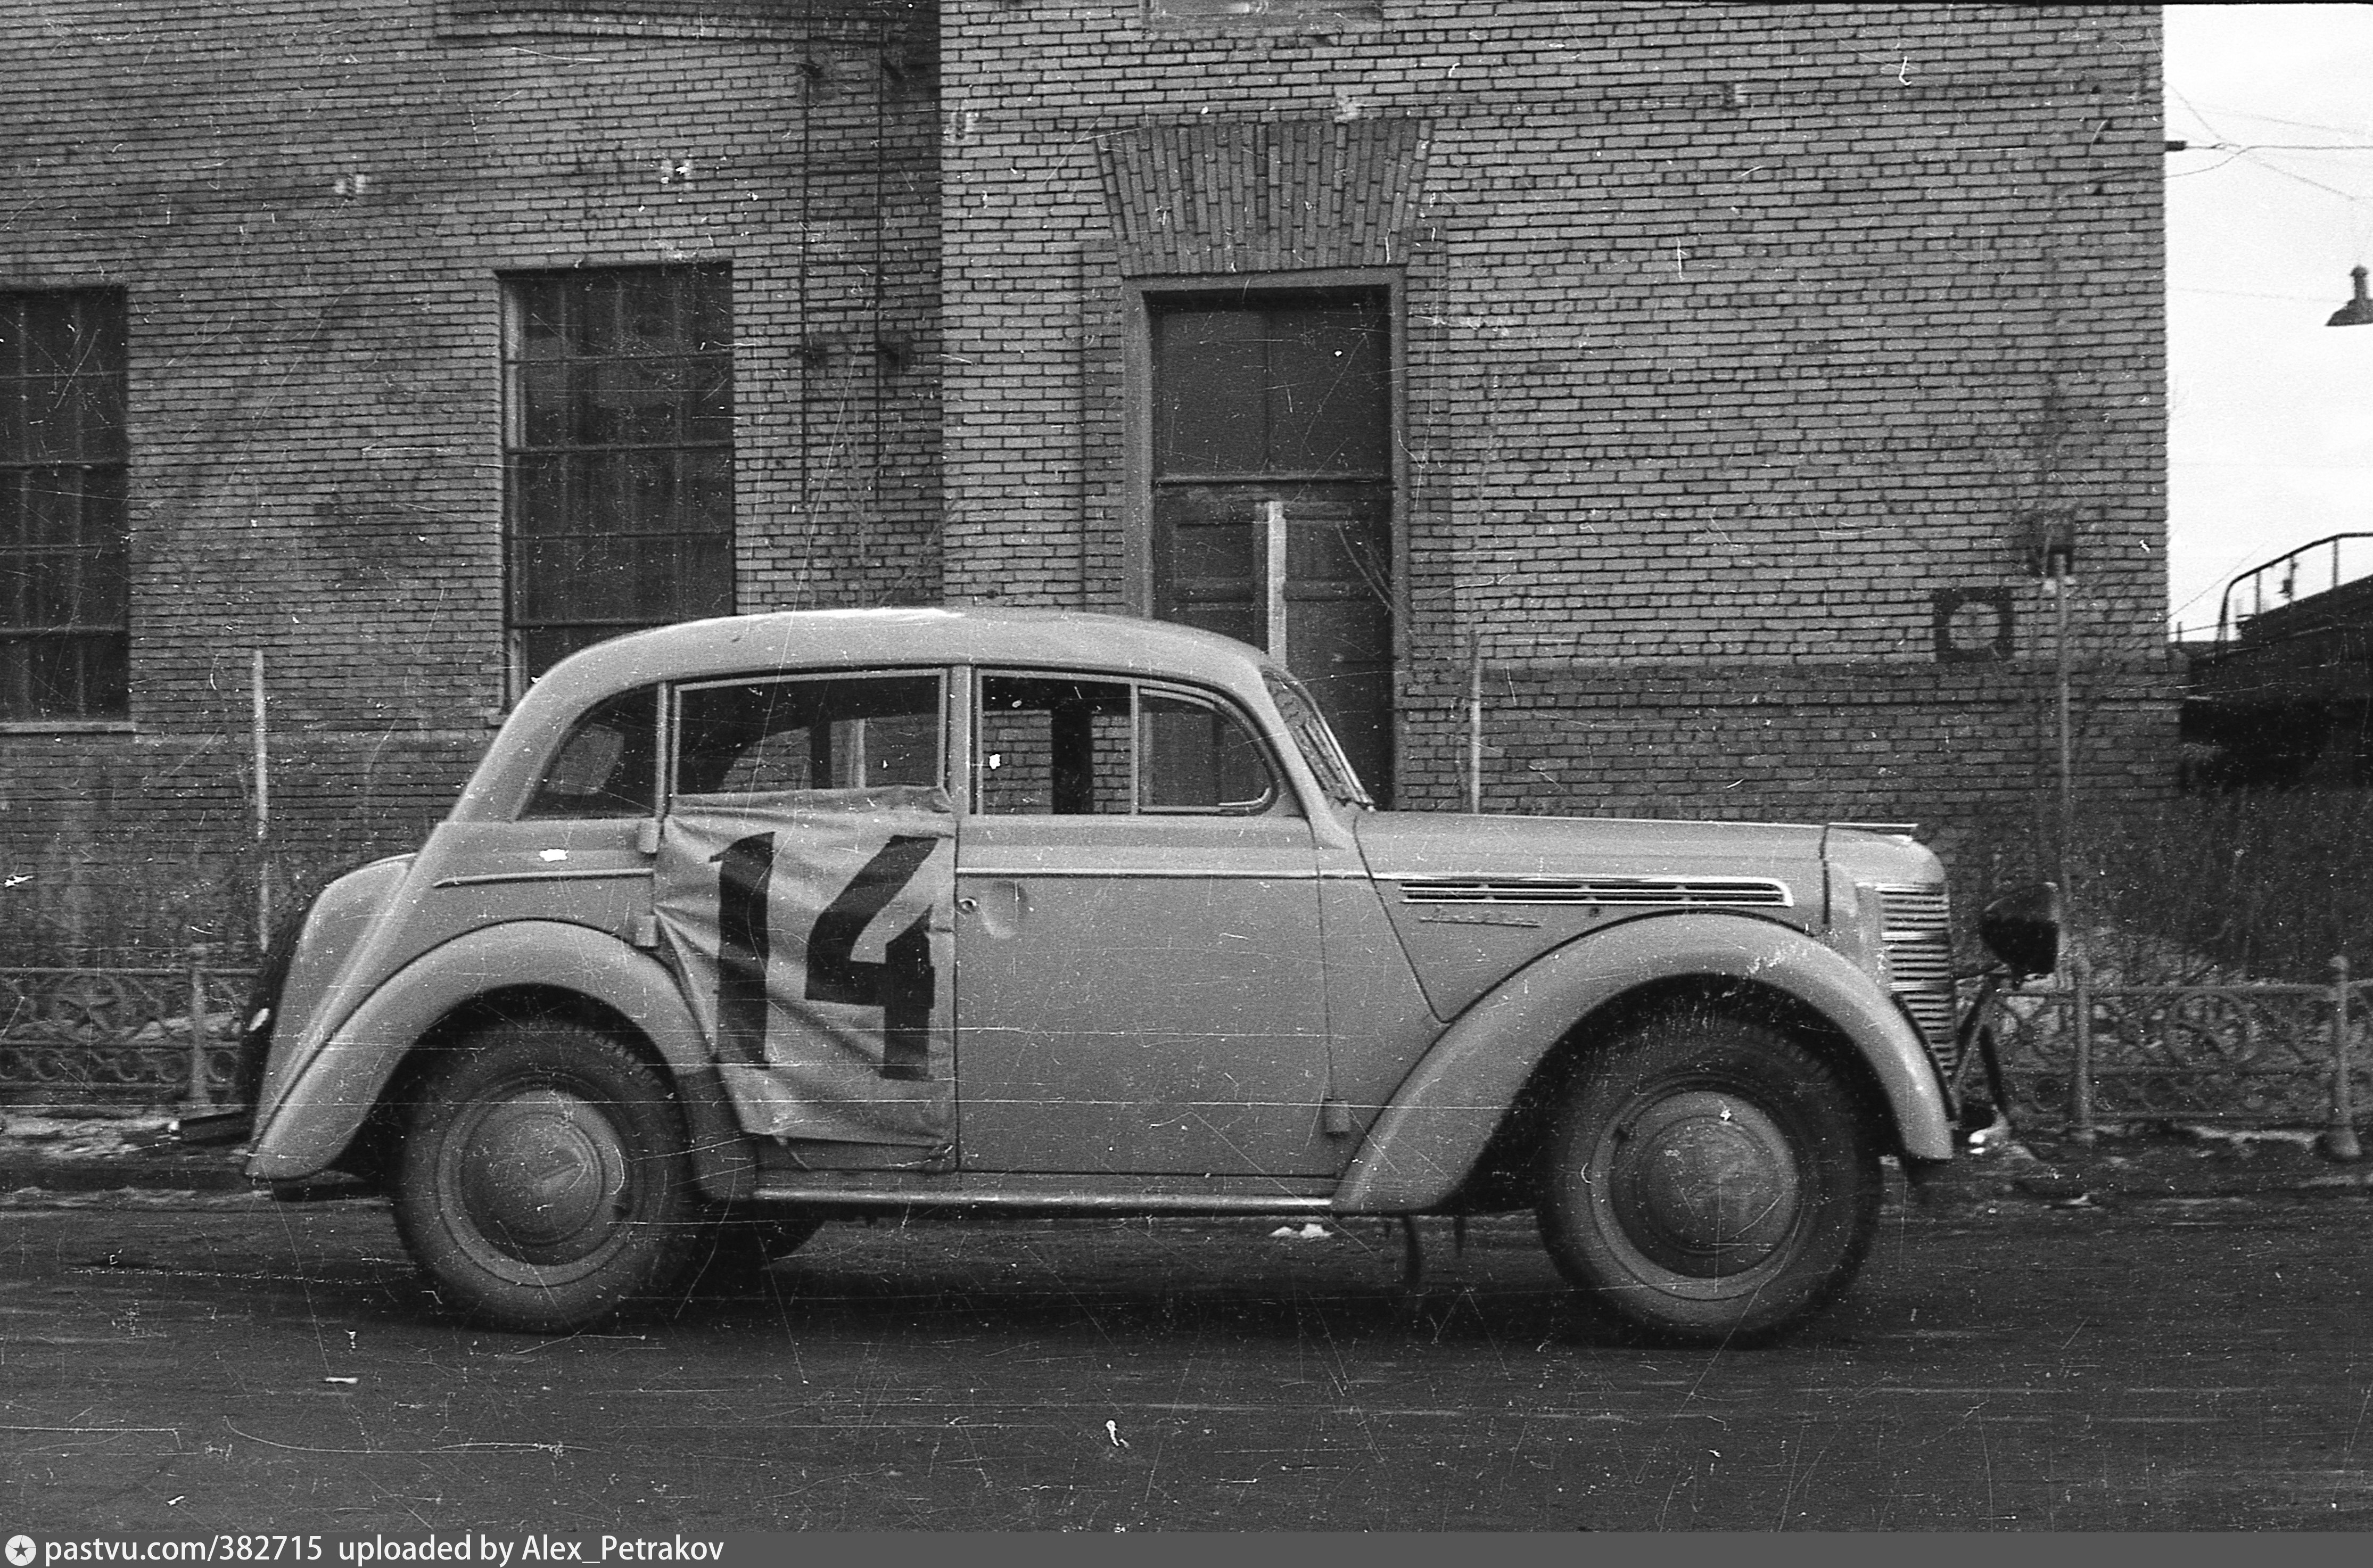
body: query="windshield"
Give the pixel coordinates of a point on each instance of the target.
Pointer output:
(1315, 740)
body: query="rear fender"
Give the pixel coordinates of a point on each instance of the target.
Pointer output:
(326, 1098)
(1428, 1139)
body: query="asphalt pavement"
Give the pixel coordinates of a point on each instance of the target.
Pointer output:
(199, 1365)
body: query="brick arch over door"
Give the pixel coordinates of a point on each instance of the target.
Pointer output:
(1249, 324)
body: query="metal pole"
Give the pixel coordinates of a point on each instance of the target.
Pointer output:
(2067, 794)
(2080, 1079)
(263, 805)
(2339, 1138)
(2067, 770)
(1474, 722)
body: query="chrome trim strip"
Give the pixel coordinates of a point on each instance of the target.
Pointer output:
(1694, 891)
(480, 879)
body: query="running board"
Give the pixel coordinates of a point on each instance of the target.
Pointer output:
(838, 1195)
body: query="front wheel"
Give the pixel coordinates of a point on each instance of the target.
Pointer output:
(1709, 1178)
(542, 1183)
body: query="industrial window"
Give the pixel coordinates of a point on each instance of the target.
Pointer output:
(64, 634)
(618, 454)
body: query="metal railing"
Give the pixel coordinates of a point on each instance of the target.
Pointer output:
(153, 1035)
(2286, 568)
(2074, 1053)
(2262, 1053)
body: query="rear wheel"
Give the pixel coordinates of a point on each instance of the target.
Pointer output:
(1710, 1178)
(543, 1182)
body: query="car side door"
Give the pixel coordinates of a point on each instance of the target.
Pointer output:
(804, 888)
(1141, 988)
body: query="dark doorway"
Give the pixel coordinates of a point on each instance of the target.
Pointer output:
(1272, 478)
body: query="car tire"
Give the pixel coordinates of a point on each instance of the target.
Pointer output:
(1710, 1179)
(543, 1184)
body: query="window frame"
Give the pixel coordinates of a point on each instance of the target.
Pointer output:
(514, 365)
(655, 719)
(1282, 800)
(107, 549)
(672, 725)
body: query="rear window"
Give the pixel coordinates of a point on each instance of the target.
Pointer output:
(605, 769)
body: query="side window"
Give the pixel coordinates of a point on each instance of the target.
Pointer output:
(603, 769)
(1194, 756)
(1051, 745)
(833, 732)
(1054, 745)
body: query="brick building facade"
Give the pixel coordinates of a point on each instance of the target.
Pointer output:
(1740, 358)
(1708, 374)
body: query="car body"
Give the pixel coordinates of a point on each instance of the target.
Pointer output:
(757, 921)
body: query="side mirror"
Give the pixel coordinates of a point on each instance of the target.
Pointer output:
(2022, 928)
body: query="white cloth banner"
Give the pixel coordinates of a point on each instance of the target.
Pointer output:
(813, 928)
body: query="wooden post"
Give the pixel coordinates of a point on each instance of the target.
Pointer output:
(2339, 1139)
(197, 1093)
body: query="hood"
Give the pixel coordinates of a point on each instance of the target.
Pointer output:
(1427, 844)
(1475, 899)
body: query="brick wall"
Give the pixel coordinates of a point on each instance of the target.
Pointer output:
(1731, 338)
(310, 206)
(1734, 337)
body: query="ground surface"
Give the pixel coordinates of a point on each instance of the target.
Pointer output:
(2029, 1350)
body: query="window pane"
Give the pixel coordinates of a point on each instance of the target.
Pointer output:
(605, 769)
(838, 732)
(1197, 757)
(1327, 407)
(1208, 415)
(1052, 745)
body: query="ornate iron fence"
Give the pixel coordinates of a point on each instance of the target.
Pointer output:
(2074, 1053)
(2263, 1053)
(150, 1035)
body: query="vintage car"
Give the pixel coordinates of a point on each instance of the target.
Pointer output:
(748, 923)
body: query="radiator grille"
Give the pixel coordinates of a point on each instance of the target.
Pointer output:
(1919, 940)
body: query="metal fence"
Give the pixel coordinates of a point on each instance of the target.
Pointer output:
(136, 1035)
(2264, 1053)
(2075, 1054)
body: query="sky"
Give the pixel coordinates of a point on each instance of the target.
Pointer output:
(2270, 412)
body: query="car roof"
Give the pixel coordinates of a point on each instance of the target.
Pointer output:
(793, 640)
(799, 639)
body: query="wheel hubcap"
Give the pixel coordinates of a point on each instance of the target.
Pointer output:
(543, 1176)
(1704, 1182)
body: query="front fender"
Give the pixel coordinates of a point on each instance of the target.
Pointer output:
(326, 1096)
(1427, 1141)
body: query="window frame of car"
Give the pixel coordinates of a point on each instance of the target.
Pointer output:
(540, 790)
(672, 737)
(1282, 798)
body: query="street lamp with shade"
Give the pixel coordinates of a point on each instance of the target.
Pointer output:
(2358, 312)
